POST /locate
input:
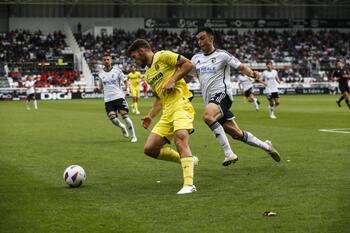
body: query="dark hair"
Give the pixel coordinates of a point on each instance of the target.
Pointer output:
(208, 30)
(106, 54)
(138, 44)
(268, 62)
(338, 60)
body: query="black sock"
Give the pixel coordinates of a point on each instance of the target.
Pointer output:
(347, 102)
(340, 99)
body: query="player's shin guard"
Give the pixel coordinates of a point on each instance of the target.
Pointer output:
(251, 140)
(187, 169)
(136, 107)
(129, 125)
(168, 154)
(220, 135)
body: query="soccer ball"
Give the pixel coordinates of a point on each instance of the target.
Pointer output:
(74, 175)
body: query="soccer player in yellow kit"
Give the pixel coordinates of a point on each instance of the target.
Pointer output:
(165, 74)
(134, 78)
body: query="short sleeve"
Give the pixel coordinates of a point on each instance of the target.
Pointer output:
(169, 57)
(232, 61)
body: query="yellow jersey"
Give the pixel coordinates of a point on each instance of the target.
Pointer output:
(134, 79)
(163, 67)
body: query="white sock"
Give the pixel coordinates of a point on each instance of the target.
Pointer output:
(27, 105)
(35, 104)
(220, 135)
(116, 122)
(271, 109)
(250, 139)
(256, 102)
(129, 124)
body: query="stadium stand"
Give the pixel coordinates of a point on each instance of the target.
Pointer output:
(44, 56)
(296, 54)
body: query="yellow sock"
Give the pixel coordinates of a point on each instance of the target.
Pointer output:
(187, 169)
(136, 107)
(168, 154)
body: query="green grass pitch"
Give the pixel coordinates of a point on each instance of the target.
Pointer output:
(309, 190)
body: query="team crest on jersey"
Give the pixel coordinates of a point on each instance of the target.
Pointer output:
(213, 60)
(156, 66)
(199, 61)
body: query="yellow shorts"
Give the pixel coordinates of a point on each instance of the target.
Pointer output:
(181, 118)
(134, 91)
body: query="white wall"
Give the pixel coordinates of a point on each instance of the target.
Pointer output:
(49, 25)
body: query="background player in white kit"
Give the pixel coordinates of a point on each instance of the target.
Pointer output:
(270, 80)
(245, 83)
(213, 70)
(111, 79)
(29, 84)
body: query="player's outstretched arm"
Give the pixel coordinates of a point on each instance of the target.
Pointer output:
(249, 72)
(156, 108)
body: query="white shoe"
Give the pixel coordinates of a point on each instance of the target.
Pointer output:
(195, 160)
(125, 131)
(137, 112)
(28, 108)
(272, 116)
(187, 189)
(134, 139)
(273, 152)
(230, 160)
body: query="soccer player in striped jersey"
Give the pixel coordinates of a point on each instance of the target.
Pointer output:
(110, 81)
(212, 66)
(165, 74)
(270, 80)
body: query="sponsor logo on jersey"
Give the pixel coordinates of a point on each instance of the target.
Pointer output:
(156, 78)
(110, 82)
(206, 70)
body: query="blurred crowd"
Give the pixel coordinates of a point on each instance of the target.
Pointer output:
(304, 53)
(22, 46)
(46, 79)
(307, 52)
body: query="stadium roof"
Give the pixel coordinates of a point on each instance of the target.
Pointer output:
(339, 3)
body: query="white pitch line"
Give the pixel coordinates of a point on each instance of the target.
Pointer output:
(335, 130)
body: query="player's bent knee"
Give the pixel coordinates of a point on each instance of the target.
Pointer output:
(208, 119)
(112, 115)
